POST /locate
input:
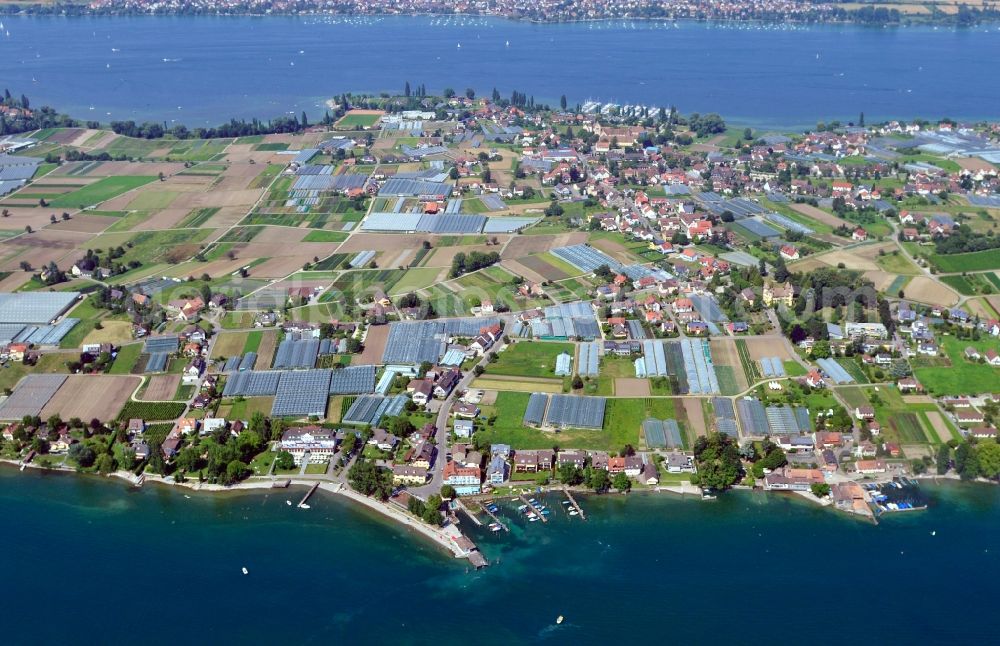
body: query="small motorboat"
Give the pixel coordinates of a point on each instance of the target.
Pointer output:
(559, 619)
(246, 571)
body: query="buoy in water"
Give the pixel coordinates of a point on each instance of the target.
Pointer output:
(559, 619)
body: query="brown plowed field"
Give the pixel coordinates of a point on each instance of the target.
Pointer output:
(90, 396)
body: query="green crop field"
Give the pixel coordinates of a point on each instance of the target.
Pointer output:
(126, 359)
(853, 369)
(197, 217)
(100, 191)
(415, 279)
(727, 380)
(976, 261)
(749, 365)
(908, 426)
(152, 200)
(325, 236)
(158, 411)
(277, 147)
(358, 121)
(529, 359)
(963, 377)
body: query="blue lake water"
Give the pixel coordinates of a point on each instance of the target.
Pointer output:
(203, 70)
(92, 561)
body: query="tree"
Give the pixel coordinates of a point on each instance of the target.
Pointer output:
(106, 463)
(406, 89)
(570, 475)
(448, 492)
(943, 459)
(562, 102)
(988, 456)
(284, 460)
(368, 479)
(599, 480)
(470, 93)
(349, 444)
(621, 482)
(718, 461)
(820, 489)
(966, 463)
(542, 478)
(432, 513)
(236, 471)
(82, 454)
(577, 382)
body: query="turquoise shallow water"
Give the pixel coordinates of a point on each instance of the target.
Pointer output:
(204, 70)
(92, 561)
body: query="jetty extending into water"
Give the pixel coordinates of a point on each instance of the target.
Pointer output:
(486, 509)
(532, 507)
(575, 504)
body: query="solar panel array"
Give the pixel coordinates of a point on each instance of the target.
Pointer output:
(984, 200)
(723, 407)
(361, 259)
(698, 367)
(588, 363)
(585, 258)
(30, 396)
(419, 341)
(655, 359)
(392, 222)
(451, 223)
(252, 383)
(772, 367)
(570, 411)
(662, 433)
(34, 307)
(157, 362)
(535, 412)
(395, 187)
(352, 380)
(635, 329)
(168, 343)
(301, 393)
(343, 183)
(370, 409)
(248, 361)
(740, 207)
(638, 272)
(564, 365)
(753, 419)
(726, 426)
(232, 364)
(493, 202)
(759, 228)
(44, 334)
(708, 307)
(835, 371)
(507, 225)
(296, 353)
(787, 223)
(385, 382)
(781, 420)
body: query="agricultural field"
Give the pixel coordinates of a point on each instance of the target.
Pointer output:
(959, 262)
(100, 191)
(127, 357)
(529, 359)
(151, 411)
(962, 377)
(357, 119)
(91, 396)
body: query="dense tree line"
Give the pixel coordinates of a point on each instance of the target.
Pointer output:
(464, 263)
(235, 128)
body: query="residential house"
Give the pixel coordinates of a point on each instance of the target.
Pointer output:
(319, 443)
(463, 428)
(405, 474)
(466, 480)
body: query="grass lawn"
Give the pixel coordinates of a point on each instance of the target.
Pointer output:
(976, 261)
(896, 263)
(126, 359)
(529, 359)
(416, 278)
(320, 235)
(508, 427)
(47, 364)
(100, 191)
(243, 409)
(963, 377)
(358, 121)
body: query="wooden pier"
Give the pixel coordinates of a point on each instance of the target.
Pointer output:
(576, 505)
(525, 500)
(311, 491)
(496, 520)
(468, 512)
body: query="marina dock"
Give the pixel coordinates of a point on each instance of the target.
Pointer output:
(468, 512)
(309, 493)
(496, 520)
(525, 500)
(575, 504)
